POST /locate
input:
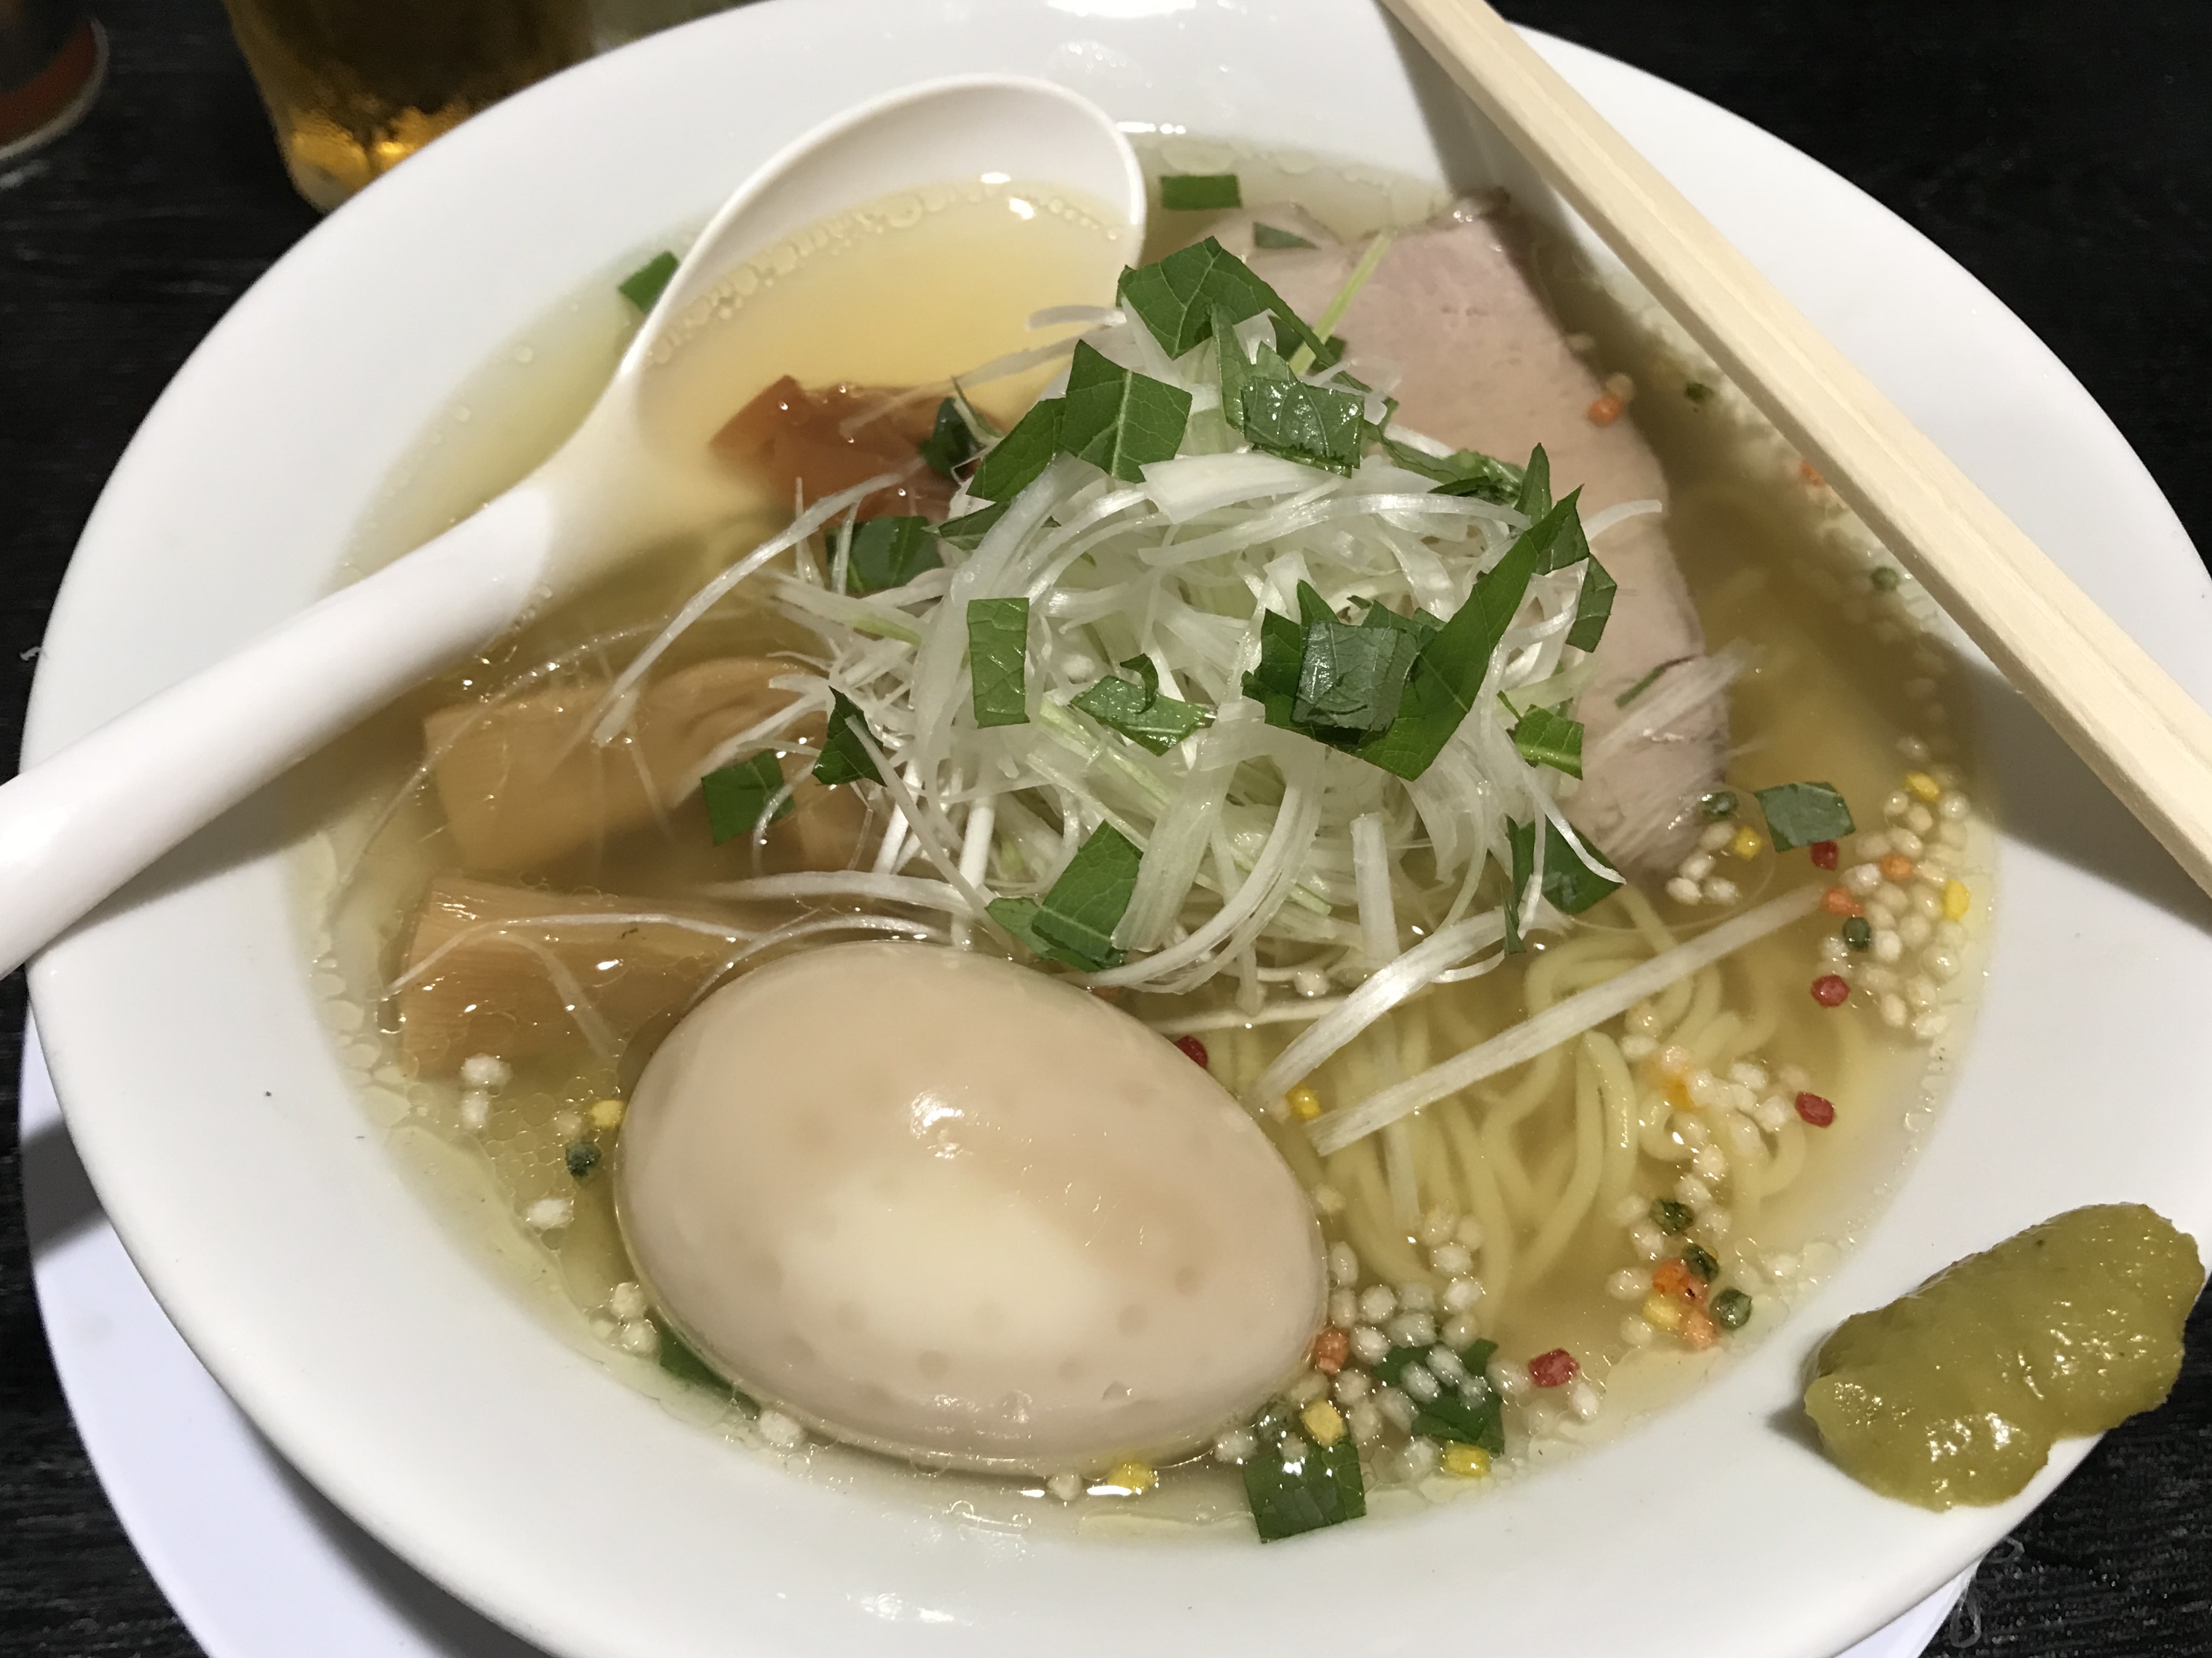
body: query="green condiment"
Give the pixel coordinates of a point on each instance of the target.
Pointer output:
(1954, 1393)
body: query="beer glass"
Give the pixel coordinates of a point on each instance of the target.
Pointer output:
(355, 87)
(51, 59)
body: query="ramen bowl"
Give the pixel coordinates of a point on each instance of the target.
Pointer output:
(250, 1182)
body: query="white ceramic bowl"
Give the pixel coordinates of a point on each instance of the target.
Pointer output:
(418, 1393)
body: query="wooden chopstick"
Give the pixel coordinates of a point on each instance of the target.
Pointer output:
(2135, 728)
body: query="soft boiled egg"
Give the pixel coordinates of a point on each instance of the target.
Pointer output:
(939, 1205)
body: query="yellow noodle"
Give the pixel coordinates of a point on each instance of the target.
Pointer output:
(1385, 1251)
(1619, 1089)
(1716, 1043)
(1582, 1185)
(1789, 1156)
(1487, 1203)
(1656, 933)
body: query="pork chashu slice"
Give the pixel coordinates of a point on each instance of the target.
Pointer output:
(1482, 365)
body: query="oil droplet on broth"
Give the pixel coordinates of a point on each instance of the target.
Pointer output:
(908, 290)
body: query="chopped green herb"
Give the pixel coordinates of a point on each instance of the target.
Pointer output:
(582, 1156)
(1313, 608)
(1138, 711)
(1670, 1217)
(1012, 463)
(1275, 682)
(1477, 1420)
(645, 284)
(1118, 419)
(677, 1358)
(843, 759)
(1351, 679)
(1803, 814)
(1462, 472)
(1647, 681)
(998, 654)
(951, 441)
(1283, 416)
(1857, 933)
(1452, 1415)
(1086, 902)
(1731, 1309)
(1268, 236)
(1884, 579)
(1720, 804)
(1448, 675)
(1593, 605)
(1198, 192)
(1545, 739)
(1697, 391)
(1699, 1259)
(888, 552)
(1076, 921)
(737, 794)
(967, 531)
(1570, 885)
(1420, 624)
(1019, 916)
(1294, 1485)
(1534, 495)
(1177, 298)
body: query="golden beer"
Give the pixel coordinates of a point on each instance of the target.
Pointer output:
(355, 87)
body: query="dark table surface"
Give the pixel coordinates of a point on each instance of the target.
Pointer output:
(2062, 151)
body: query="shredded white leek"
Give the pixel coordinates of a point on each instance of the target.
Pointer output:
(1556, 1024)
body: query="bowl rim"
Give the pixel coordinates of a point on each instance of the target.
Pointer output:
(416, 282)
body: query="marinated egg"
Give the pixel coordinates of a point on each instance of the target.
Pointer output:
(936, 1204)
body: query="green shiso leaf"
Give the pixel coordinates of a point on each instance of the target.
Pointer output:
(644, 285)
(967, 531)
(1085, 904)
(677, 1358)
(951, 441)
(1012, 463)
(1198, 192)
(1462, 472)
(1420, 624)
(1593, 605)
(1803, 814)
(1351, 679)
(1547, 738)
(1075, 922)
(1269, 236)
(1453, 1416)
(1448, 674)
(1177, 299)
(1571, 886)
(843, 759)
(1138, 711)
(1118, 419)
(737, 794)
(1282, 415)
(1019, 916)
(1534, 497)
(1275, 682)
(888, 552)
(1293, 1486)
(998, 651)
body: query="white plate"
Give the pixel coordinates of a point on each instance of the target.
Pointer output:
(391, 1369)
(256, 1564)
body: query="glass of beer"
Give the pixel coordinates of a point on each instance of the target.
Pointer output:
(355, 87)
